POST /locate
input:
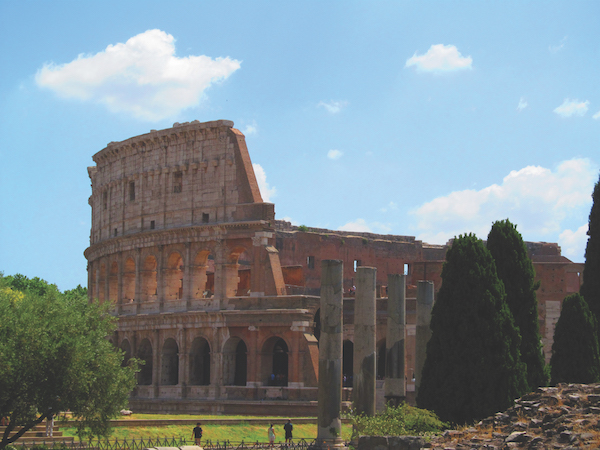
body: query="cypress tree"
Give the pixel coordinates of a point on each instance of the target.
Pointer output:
(515, 270)
(473, 366)
(575, 355)
(590, 289)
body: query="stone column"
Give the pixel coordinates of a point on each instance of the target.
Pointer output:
(395, 378)
(423, 332)
(138, 279)
(187, 277)
(160, 278)
(156, 363)
(330, 355)
(363, 384)
(184, 363)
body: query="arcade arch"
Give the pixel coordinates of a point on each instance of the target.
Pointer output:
(174, 277)
(348, 363)
(129, 280)
(126, 349)
(149, 279)
(145, 354)
(203, 271)
(113, 282)
(170, 363)
(235, 362)
(199, 362)
(275, 362)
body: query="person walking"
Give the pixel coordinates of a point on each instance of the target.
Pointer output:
(197, 434)
(271, 436)
(288, 427)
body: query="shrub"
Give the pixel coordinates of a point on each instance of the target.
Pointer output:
(397, 421)
(303, 228)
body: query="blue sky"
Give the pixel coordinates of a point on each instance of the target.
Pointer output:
(427, 119)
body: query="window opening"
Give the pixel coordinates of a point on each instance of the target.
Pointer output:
(177, 182)
(310, 262)
(152, 224)
(406, 269)
(205, 217)
(105, 199)
(115, 232)
(357, 263)
(132, 190)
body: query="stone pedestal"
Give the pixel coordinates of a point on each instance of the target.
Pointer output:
(329, 432)
(364, 341)
(395, 341)
(423, 332)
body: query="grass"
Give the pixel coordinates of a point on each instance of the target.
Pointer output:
(234, 433)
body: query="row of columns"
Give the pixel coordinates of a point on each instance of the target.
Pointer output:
(331, 344)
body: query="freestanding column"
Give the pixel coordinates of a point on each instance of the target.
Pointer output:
(423, 332)
(329, 431)
(363, 384)
(395, 380)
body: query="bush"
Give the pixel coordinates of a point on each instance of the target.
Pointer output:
(397, 421)
(303, 228)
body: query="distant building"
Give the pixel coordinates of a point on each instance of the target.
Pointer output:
(221, 300)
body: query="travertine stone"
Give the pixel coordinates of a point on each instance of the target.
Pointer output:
(395, 384)
(364, 341)
(424, 307)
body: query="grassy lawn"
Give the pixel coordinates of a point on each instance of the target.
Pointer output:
(234, 433)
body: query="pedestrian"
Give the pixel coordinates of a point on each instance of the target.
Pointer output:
(271, 436)
(197, 434)
(288, 427)
(49, 425)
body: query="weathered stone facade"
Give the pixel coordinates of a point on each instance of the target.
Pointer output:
(220, 299)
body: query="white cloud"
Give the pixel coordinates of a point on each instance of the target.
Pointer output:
(334, 154)
(361, 226)
(266, 191)
(440, 58)
(333, 107)
(573, 243)
(522, 104)
(391, 206)
(141, 77)
(560, 46)
(250, 129)
(596, 116)
(535, 198)
(572, 108)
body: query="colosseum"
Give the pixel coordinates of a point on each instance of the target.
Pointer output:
(219, 299)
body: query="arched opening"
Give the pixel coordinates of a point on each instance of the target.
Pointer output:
(149, 280)
(230, 272)
(235, 362)
(170, 363)
(113, 282)
(275, 362)
(244, 274)
(348, 363)
(381, 353)
(200, 362)
(145, 355)
(126, 348)
(174, 277)
(129, 281)
(203, 269)
(102, 283)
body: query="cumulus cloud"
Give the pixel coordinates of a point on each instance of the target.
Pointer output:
(334, 154)
(573, 243)
(572, 108)
(537, 199)
(266, 191)
(361, 226)
(440, 58)
(391, 206)
(522, 104)
(333, 107)
(596, 116)
(141, 77)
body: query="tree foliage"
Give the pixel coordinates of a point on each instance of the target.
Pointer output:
(590, 289)
(575, 353)
(515, 270)
(473, 366)
(55, 356)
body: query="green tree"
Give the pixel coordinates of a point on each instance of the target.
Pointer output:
(515, 270)
(575, 354)
(55, 356)
(590, 289)
(473, 366)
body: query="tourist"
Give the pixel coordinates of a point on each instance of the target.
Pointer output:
(271, 436)
(197, 433)
(49, 425)
(288, 427)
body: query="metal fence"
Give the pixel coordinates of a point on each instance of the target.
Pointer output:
(140, 444)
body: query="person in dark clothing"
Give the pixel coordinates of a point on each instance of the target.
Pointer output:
(288, 427)
(197, 433)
